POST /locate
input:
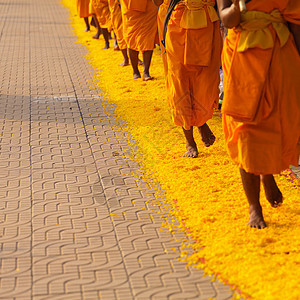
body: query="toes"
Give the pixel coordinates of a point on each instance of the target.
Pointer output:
(257, 224)
(276, 203)
(209, 142)
(147, 78)
(192, 154)
(136, 76)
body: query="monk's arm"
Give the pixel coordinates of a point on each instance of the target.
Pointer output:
(158, 2)
(229, 12)
(295, 30)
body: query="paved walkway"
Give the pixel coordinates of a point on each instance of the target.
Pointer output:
(73, 224)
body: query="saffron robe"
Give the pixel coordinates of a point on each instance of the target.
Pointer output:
(194, 58)
(261, 106)
(83, 8)
(160, 24)
(117, 23)
(101, 10)
(139, 24)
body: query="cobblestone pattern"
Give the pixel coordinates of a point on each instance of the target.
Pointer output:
(74, 223)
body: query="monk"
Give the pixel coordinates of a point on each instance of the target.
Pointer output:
(193, 45)
(117, 25)
(140, 30)
(101, 10)
(163, 8)
(84, 12)
(261, 107)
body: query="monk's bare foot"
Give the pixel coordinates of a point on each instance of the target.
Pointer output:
(140, 62)
(124, 63)
(96, 36)
(87, 29)
(256, 218)
(136, 75)
(116, 48)
(106, 46)
(146, 76)
(272, 192)
(207, 136)
(191, 151)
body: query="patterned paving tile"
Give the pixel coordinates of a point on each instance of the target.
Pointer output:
(74, 223)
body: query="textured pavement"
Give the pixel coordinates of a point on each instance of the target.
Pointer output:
(75, 223)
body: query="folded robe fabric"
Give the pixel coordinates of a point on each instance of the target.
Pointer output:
(256, 30)
(261, 105)
(101, 10)
(160, 25)
(83, 8)
(193, 56)
(139, 24)
(117, 23)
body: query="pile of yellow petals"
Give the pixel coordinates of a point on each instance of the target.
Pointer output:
(206, 192)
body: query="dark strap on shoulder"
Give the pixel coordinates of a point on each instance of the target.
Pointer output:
(171, 7)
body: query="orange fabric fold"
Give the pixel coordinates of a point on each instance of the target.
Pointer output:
(138, 5)
(83, 8)
(193, 57)
(117, 23)
(160, 24)
(101, 9)
(261, 107)
(139, 27)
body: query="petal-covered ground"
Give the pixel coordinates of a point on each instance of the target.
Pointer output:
(206, 193)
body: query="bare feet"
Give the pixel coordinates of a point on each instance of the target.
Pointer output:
(136, 75)
(106, 45)
(272, 192)
(256, 218)
(191, 151)
(96, 36)
(86, 21)
(124, 63)
(251, 184)
(116, 48)
(207, 136)
(146, 76)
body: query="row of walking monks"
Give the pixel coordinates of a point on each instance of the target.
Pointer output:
(261, 64)
(137, 27)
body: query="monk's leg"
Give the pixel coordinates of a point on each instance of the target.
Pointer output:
(93, 23)
(191, 147)
(207, 136)
(106, 37)
(125, 56)
(251, 184)
(147, 56)
(134, 62)
(116, 46)
(273, 193)
(98, 33)
(86, 20)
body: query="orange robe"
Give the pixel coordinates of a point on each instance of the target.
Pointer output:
(194, 59)
(139, 24)
(261, 106)
(101, 10)
(117, 23)
(160, 24)
(83, 8)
